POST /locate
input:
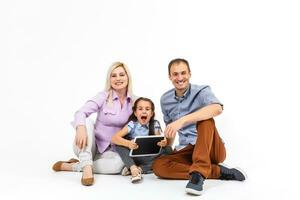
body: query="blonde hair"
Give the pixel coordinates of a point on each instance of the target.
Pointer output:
(108, 87)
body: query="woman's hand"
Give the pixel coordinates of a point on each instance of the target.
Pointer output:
(162, 143)
(81, 137)
(132, 145)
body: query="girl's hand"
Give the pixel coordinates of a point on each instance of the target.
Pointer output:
(81, 137)
(162, 143)
(132, 145)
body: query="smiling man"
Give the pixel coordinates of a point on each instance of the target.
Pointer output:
(188, 111)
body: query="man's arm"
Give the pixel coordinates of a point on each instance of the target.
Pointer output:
(204, 113)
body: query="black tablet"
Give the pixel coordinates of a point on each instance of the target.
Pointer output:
(147, 146)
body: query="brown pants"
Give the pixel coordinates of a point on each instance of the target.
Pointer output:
(203, 157)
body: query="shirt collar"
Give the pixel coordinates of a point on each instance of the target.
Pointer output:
(140, 125)
(186, 93)
(115, 96)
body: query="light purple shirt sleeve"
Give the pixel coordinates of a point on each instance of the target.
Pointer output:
(91, 106)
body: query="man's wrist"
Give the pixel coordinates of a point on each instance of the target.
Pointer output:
(183, 120)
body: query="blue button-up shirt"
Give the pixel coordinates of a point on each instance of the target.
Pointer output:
(137, 129)
(173, 108)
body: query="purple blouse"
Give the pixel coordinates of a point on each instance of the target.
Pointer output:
(110, 118)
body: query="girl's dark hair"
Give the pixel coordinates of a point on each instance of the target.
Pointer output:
(132, 117)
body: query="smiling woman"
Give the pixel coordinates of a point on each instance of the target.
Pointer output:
(92, 144)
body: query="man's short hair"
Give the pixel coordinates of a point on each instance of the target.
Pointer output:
(177, 61)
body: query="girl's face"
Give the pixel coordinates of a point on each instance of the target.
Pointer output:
(118, 79)
(143, 112)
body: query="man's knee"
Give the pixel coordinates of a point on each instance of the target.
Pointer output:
(208, 123)
(158, 166)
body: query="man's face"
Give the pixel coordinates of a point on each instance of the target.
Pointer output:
(180, 76)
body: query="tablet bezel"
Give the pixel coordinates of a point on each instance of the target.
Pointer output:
(143, 155)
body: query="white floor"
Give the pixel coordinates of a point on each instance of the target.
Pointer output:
(28, 153)
(51, 185)
(26, 178)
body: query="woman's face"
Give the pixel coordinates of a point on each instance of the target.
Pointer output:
(119, 79)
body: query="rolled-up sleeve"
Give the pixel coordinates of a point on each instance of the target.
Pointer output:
(166, 117)
(207, 97)
(130, 126)
(91, 106)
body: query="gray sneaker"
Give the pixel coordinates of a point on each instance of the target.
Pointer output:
(125, 171)
(195, 184)
(138, 177)
(232, 174)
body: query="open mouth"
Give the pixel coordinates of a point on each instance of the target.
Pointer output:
(144, 117)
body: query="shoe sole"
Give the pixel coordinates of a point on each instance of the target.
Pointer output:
(242, 171)
(87, 181)
(193, 192)
(136, 180)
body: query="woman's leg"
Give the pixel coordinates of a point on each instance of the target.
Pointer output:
(86, 155)
(109, 162)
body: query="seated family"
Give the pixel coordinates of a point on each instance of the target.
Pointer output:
(188, 110)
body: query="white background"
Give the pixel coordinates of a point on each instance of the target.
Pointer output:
(54, 56)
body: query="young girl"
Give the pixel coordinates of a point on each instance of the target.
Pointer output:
(140, 123)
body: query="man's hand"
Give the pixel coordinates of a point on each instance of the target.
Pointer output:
(162, 143)
(132, 145)
(81, 137)
(172, 128)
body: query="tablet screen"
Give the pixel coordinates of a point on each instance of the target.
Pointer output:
(147, 146)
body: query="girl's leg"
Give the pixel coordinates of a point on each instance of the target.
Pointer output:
(145, 163)
(124, 153)
(130, 163)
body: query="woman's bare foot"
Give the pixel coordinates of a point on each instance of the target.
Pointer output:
(67, 166)
(64, 165)
(87, 176)
(87, 172)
